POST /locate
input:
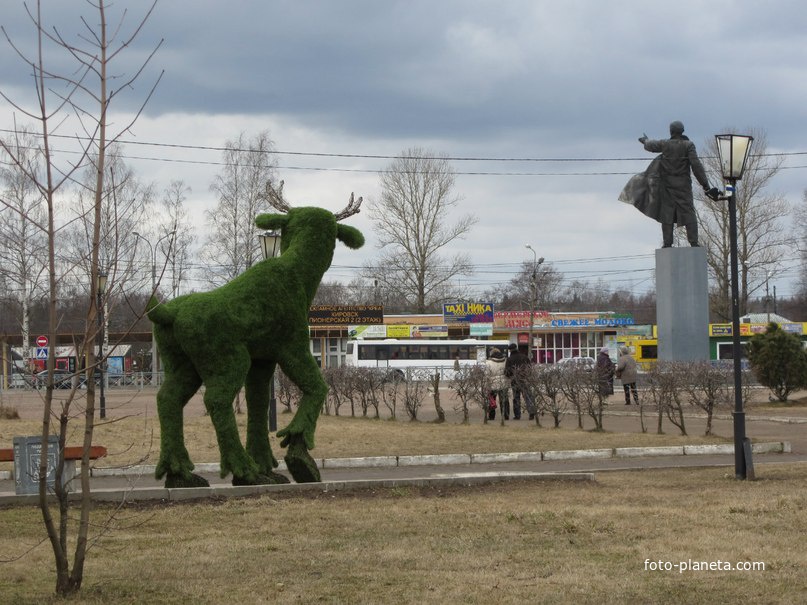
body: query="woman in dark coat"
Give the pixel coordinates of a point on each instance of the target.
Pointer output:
(605, 372)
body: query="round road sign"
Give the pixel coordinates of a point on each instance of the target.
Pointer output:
(42, 341)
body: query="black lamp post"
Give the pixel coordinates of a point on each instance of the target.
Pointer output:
(101, 289)
(270, 246)
(535, 262)
(733, 151)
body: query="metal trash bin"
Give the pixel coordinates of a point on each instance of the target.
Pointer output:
(27, 452)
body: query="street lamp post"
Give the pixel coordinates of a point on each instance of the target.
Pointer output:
(270, 246)
(101, 290)
(153, 251)
(535, 262)
(733, 151)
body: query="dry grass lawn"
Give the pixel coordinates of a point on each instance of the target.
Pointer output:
(515, 542)
(509, 543)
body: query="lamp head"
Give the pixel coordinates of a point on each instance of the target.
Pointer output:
(270, 243)
(733, 150)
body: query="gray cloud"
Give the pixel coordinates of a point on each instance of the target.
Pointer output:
(522, 78)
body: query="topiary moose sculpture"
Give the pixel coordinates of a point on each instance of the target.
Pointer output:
(235, 336)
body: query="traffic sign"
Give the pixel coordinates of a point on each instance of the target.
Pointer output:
(42, 352)
(42, 341)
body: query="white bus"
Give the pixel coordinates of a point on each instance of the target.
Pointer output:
(398, 355)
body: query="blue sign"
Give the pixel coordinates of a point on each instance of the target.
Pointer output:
(42, 352)
(472, 313)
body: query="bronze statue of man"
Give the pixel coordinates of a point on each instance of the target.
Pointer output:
(664, 191)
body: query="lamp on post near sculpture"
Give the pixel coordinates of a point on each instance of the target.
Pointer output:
(101, 290)
(153, 251)
(270, 246)
(733, 151)
(534, 302)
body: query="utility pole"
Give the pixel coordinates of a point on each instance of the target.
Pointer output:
(534, 303)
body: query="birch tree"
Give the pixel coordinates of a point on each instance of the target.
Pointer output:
(23, 220)
(232, 245)
(178, 251)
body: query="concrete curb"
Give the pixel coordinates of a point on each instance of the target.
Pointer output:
(775, 447)
(492, 458)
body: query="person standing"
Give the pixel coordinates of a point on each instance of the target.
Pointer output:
(499, 384)
(664, 191)
(518, 363)
(627, 372)
(605, 373)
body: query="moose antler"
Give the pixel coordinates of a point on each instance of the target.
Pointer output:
(351, 209)
(275, 197)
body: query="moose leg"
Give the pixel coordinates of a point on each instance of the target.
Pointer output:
(298, 436)
(259, 380)
(175, 463)
(220, 391)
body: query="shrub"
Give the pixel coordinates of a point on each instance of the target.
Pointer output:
(779, 361)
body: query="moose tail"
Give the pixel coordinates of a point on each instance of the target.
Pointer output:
(158, 313)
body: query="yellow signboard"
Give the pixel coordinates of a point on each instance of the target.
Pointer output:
(399, 331)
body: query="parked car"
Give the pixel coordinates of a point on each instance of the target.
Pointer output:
(587, 363)
(62, 379)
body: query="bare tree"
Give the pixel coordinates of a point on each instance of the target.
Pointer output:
(761, 239)
(545, 383)
(667, 382)
(413, 392)
(125, 205)
(708, 387)
(233, 245)
(85, 96)
(516, 294)
(472, 385)
(574, 381)
(800, 238)
(414, 224)
(177, 249)
(23, 223)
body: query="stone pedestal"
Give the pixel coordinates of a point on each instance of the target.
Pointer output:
(682, 304)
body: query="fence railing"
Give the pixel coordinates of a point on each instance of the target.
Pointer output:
(66, 380)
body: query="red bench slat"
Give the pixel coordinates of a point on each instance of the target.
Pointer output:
(70, 453)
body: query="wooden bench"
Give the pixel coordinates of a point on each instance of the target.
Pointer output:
(70, 453)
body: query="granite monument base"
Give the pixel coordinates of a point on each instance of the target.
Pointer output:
(682, 304)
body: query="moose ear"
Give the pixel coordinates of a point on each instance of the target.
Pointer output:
(271, 221)
(350, 236)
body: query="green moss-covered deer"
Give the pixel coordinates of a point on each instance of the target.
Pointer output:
(235, 336)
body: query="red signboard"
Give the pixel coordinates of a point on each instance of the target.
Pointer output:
(42, 341)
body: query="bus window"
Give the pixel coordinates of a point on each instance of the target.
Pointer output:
(461, 352)
(438, 352)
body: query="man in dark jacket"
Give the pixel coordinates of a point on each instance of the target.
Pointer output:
(664, 191)
(516, 363)
(605, 372)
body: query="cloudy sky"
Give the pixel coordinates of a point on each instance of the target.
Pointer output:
(540, 102)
